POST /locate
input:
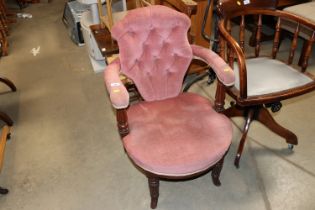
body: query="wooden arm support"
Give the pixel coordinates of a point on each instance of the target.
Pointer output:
(122, 122)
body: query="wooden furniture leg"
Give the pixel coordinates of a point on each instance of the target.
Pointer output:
(4, 134)
(9, 83)
(262, 115)
(4, 51)
(267, 120)
(216, 171)
(154, 184)
(5, 118)
(249, 120)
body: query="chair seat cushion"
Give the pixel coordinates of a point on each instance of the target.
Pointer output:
(305, 10)
(266, 75)
(177, 136)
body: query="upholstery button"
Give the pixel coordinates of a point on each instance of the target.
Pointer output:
(131, 33)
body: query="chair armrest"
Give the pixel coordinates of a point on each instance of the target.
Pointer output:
(118, 93)
(223, 71)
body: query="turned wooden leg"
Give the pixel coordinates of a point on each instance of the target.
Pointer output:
(249, 119)
(216, 171)
(8, 83)
(265, 118)
(154, 184)
(3, 191)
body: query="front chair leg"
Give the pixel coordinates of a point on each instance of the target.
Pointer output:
(154, 184)
(249, 119)
(216, 171)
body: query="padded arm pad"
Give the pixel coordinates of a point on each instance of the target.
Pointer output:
(223, 71)
(119, 95)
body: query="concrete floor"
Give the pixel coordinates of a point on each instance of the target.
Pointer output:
(65, 152)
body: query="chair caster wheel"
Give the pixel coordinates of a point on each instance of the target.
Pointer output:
(275, 107)
(290, 146)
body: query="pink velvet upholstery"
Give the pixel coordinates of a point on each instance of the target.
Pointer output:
(170, 134)
(223, 71)
(177, 136)
(155, 54)
(159, 61)
(118, 93)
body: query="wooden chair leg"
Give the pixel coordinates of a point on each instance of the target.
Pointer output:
(265, 118)
(262, 115)
(216, 171)
(154, 184)
(9, 83)
(4, 117)
(249, 119)
(3, 191)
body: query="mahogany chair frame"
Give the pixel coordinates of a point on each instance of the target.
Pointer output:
(123, 109)
(255, 107)
(154, 179)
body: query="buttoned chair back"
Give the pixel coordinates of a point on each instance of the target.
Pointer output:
(170, 134)
(160, 60)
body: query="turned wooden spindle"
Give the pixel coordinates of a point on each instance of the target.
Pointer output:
(307, 52)
(294, 43)
(122, 122)
(258, 35)
(242, 33)
(230, 54)
(276, 39)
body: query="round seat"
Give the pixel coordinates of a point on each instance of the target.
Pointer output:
(178, 136)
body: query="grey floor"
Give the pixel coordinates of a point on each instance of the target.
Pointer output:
(65, 152)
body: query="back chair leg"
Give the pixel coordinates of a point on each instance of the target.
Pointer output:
(154, 184)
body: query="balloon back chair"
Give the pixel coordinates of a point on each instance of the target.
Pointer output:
(262, 80)
(169, 134)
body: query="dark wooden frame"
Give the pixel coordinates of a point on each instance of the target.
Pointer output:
(255, 107)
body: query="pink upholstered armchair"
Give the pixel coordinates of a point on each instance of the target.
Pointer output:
(170, 134)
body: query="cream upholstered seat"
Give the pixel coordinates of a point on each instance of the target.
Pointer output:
(269, 76)
(305, 10)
